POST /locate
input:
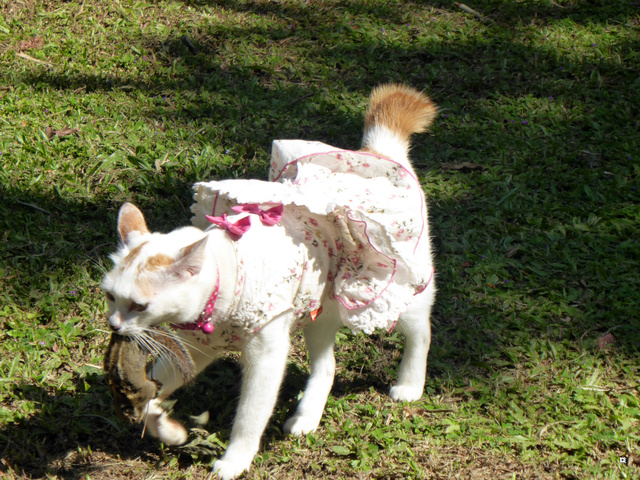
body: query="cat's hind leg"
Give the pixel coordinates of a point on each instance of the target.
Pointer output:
(320, 338)
(416, 327)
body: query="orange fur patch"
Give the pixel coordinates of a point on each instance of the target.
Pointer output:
(401, 109)
(146, 280)
(158, 261)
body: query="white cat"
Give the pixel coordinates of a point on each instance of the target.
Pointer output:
(335, 238)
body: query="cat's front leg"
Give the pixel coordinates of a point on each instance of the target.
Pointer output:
(263, 360)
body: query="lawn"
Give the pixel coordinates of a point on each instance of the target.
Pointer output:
(531, 171)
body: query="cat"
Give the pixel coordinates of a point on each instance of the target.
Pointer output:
(308, 261)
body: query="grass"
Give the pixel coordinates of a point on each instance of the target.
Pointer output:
(533, 371)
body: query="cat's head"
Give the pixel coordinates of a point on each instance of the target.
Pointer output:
(155, 276)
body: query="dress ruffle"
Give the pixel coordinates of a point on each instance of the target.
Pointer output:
(367, 212)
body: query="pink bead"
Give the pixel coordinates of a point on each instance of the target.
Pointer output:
(207, 327)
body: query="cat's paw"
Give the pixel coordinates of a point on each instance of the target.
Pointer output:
(300, 426)
(228, 470)
(401, 393)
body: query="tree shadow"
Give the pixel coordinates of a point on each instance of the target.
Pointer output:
(508, 14)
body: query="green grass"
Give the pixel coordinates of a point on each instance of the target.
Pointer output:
(533, 371)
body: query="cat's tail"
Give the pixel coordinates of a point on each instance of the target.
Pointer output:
(395, 112)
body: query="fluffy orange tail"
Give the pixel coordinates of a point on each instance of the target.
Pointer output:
(395, 112)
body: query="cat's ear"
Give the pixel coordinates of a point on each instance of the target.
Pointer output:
(190, 260)
(130, 221)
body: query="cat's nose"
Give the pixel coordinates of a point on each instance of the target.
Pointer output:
(115, 322)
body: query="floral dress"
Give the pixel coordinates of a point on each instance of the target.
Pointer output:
(346, 226)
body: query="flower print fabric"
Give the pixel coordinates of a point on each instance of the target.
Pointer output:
(354, 220)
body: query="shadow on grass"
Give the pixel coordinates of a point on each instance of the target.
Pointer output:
(67, 430)
(75, 433)
(508, 14)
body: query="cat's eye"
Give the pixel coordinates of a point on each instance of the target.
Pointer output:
(138, 307)
(109, 296)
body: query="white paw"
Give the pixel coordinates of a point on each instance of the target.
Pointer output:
(227, 470)
(401, 393)
(300, 426)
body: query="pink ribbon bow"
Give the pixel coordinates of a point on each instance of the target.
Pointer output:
(270, 216)
(236, 230)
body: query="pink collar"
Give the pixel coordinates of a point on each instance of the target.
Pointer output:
(203, 322)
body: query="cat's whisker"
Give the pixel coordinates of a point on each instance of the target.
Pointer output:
(159, 351)
(162, 352)
(169, 347)
(136, 339)
(158, 347)
(143, 341)
(98, 264)
(193, 344)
